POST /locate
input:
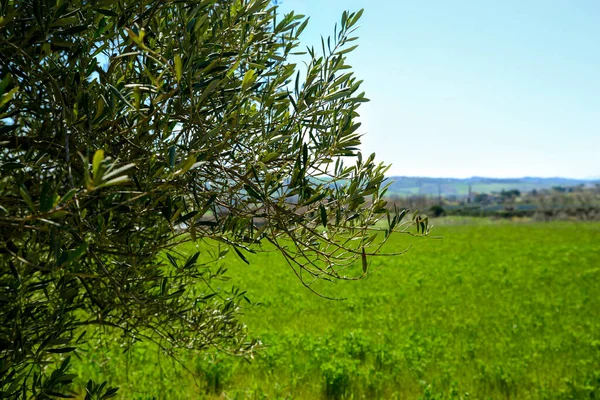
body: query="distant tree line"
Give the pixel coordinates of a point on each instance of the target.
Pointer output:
(576, 202)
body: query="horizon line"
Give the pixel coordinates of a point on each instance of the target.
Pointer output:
(588, 179)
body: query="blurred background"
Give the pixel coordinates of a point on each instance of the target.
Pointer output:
(488, 103)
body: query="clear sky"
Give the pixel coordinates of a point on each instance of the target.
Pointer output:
(475, 88)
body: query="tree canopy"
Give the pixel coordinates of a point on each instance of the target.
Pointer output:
(130, 127)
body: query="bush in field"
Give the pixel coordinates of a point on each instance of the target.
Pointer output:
(337, 376)
(215, 371)
(437, 210)
(130, 127)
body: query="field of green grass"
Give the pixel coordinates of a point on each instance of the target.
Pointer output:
(491, 311)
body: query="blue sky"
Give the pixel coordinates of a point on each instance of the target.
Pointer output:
(475, 88)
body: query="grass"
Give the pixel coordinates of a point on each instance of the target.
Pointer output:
(492, 311)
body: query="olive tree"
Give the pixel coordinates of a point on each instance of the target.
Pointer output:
(130, 127)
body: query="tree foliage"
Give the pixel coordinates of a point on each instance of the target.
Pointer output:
(130, 127)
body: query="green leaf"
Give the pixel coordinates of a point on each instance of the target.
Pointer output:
(86, 172)
(6, 97)
(270, 157)
(178, 67)
(137, 39)
(354, 20)
(415, 214)
(27, 198)
(338, 94)
(47, 196)
(110, 392)
(66, 378)
(208, 90)
(304, 156)
(364, 260)
(186, 217)
(68, 196)
(315, 197)
(108, 13)
(239, 253)
(189, 163)
(250, 190)
(61, 350)
(57, 214)
(191, 261)
(172, 155)
(402, 214)
(96, 164)
(60, 395)
(249, 79)
(118, 171)
(65, 364)
(117, 181)
(68, 257)
(348, 50)
(4, 83)
(323, 215)
(175, 294)
(353, 216)
(120, 96)
(208, 296)
(172, 261)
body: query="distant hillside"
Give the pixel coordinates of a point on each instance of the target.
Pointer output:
(448, 187)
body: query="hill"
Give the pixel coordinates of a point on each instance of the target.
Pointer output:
(450, 187)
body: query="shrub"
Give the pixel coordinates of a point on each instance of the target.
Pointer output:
(131, 127)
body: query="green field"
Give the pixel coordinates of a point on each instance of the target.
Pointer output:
(491, 311)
